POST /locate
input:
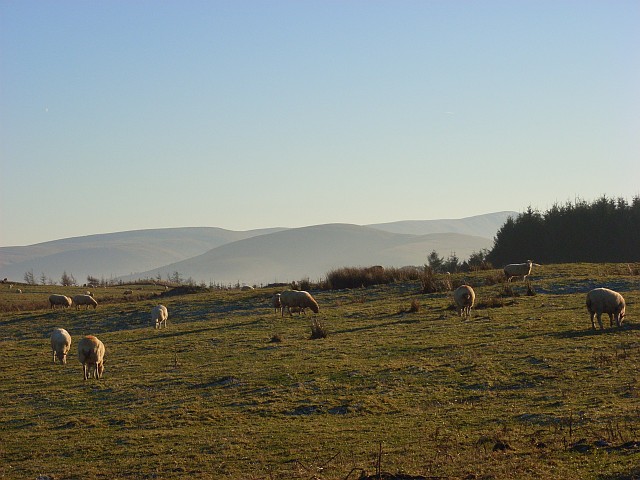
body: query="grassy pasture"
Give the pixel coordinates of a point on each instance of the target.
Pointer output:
(524, 389)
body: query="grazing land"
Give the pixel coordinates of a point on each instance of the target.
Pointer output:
(522, 389)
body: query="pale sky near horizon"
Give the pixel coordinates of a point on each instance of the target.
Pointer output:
(119, 115)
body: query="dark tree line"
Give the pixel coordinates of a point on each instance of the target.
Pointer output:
(606, 230)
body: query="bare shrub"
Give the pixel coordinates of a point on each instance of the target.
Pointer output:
(276, 338)
(432, 283)
(428, 281)
(318, 330)
(495, 277)
(305, 284)
(492, 302)
(507, 291)
(359, 277)
(415, 306)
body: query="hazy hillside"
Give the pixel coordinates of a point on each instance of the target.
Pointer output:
(312, 251)
(479, 225)
(114, 254)
(254, 256)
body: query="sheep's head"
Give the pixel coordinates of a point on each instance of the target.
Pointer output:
(62, 357)
(314, 308)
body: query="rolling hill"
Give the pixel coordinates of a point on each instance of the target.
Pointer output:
(312, 252)
(114, 254)
(208, 254)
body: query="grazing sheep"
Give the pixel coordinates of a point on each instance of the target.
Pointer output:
(19, 290)
(59, 300)
(276, 303)
(246, 288)
(159, 315)
(127, 292)
(518, 270)
(87, 300)
(603, 300)
(91, 356)
(464, 296)
(298, 298)
(60, 344)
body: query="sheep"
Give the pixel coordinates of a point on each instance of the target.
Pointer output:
(159, 315)
(60, 344)
(19, 290)
(276, 303)
(298, 298)
(247, 288)
(85, 300)
(91, 356)
(464, 297)
(603, 300)
(128, 292)
(518, 270)
(61, 300)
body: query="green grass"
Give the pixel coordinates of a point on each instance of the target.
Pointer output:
(213, 397)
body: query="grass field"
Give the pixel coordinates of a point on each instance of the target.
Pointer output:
(523, 389)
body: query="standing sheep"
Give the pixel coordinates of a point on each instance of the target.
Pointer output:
(60, 344)
(159, 315)
(87, 300)
(59, 300)
(276, 303)
(298, 298)
(464, 296)
(518, 270)
(603, 300)
(91, 356)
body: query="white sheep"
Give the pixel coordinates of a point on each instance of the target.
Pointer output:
(298, 298)
(603, 300)
(59, 300)
(518, 270)
(247, 288)
(60, 344)
(87, 300)
(159, 315)
(276, 303)
(464, 296)
(91, 356)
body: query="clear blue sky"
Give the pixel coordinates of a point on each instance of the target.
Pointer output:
(119, 115)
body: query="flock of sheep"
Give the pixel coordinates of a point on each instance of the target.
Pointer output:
(599, 300)
(91, 349)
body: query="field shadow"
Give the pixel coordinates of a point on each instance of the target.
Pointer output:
(592, 333)
(630, 475)
(378, 325)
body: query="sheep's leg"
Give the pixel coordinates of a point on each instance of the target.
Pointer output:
(84, 371)
(610, 319)
(600, 320)
(54, 356)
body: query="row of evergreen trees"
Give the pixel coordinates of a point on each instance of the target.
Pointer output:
(606, 230)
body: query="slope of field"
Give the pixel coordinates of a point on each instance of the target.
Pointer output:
(522, 390)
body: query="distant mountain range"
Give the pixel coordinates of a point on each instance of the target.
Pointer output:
(209, 254)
